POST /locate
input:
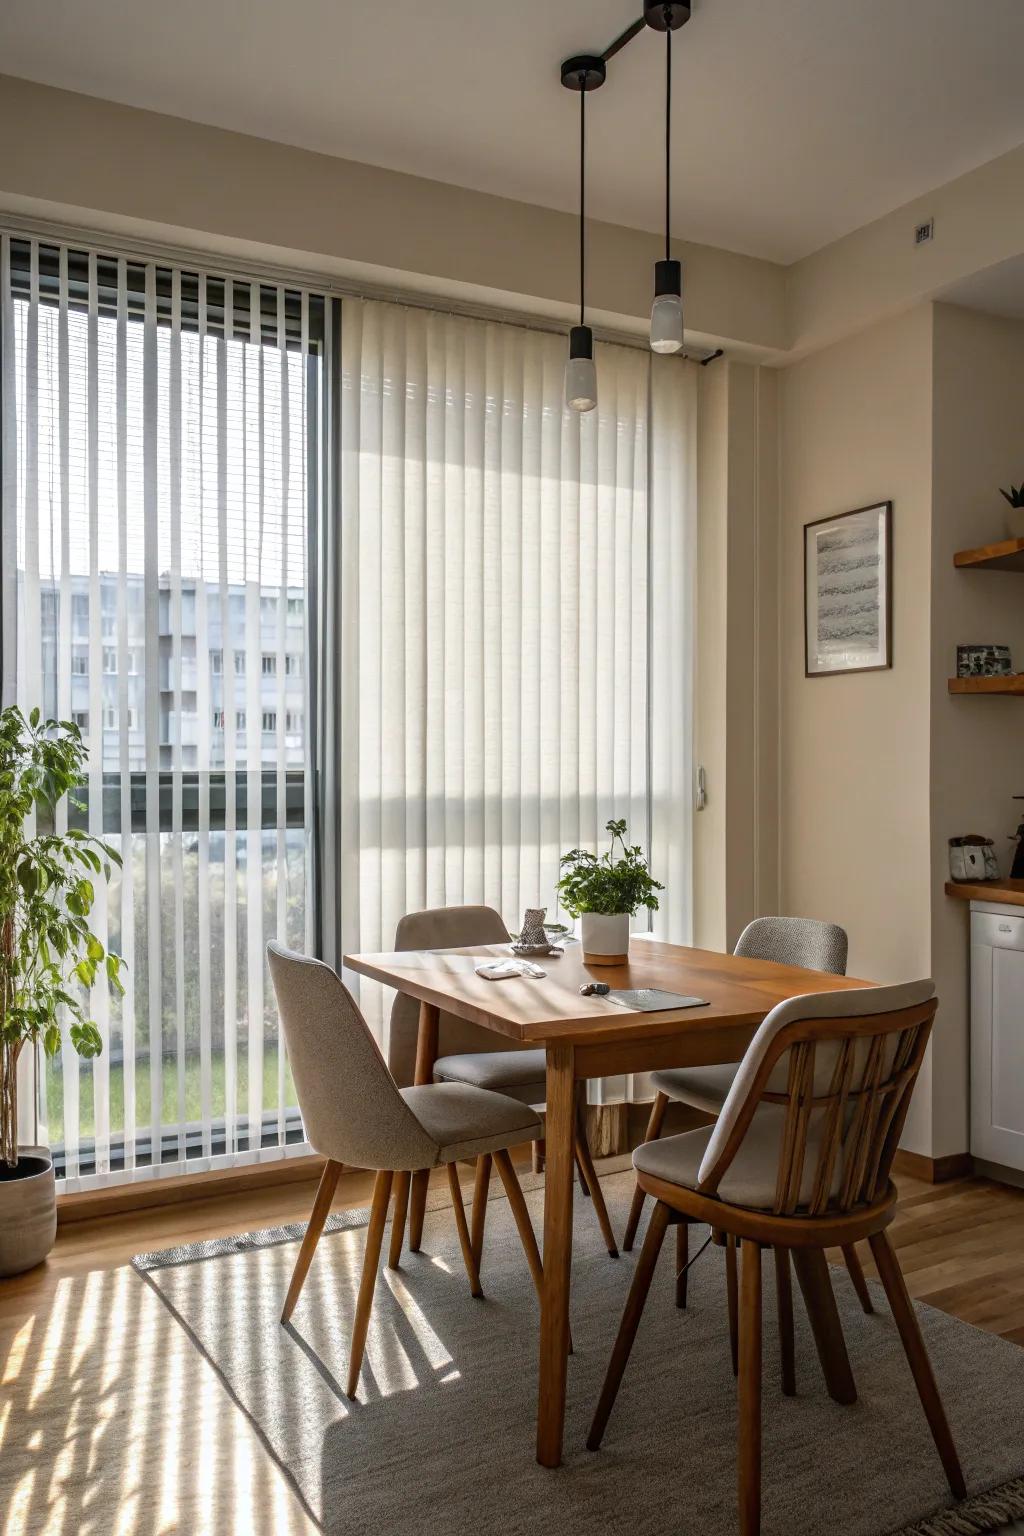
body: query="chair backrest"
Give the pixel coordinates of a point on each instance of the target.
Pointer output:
(441, 928)
(351, 1108)
(799, 941)
(835, 1072)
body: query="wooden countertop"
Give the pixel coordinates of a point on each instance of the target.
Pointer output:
(1010, 892)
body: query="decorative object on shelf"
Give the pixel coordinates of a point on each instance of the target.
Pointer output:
(972, 858)
(604, 892)
(983, 661)
(1017, 871)
(1015, 516)
(49, 957)
(587, 72)
(533, 938)
(848, 592)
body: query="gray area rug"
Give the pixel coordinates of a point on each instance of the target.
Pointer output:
(442, 1439)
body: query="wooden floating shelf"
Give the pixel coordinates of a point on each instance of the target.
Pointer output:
(1007, 685)
(1006, 556)
(1009, 891)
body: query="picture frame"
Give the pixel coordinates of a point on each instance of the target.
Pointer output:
(848, 608)
(984, 661)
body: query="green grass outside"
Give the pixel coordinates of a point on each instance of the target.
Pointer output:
(169, 1092)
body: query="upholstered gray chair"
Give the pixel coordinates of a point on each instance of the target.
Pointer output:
(467, 1054)
(801, 941)
(798, 1161)
(355, 1114)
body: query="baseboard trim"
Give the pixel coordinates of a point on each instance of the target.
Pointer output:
(84, 1205)
(934, 1170)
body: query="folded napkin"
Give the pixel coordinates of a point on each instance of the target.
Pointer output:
(503, 970)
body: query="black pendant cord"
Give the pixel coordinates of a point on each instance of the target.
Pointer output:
(583, 194)
(668, 143)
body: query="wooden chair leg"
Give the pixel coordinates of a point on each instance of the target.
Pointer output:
(917, 1355)
(812, 1273)
(630, 1322)
(860, 1285)
(682, 1259)
(732, 1293)
(475, 1288)
(368, 1282)
(749, 1459)
(593, 1183)
(784, 1298)
(527, 1236)
(581, 1174)
(319, 1214)
(417, 1208)
(524, 1225)
(481, 1186)
(402, 1182)
(654, 1125)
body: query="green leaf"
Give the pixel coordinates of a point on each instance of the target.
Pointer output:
(94, 949)
(51, 1040)
(86, 1039)
(86, 972)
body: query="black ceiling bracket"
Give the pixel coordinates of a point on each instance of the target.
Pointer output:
(583, 72)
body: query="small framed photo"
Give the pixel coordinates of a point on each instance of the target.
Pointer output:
(983, 661)
(848, 592)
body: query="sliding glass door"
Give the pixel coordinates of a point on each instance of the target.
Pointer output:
(160, 471)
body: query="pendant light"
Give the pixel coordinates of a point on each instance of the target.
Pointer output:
(583, 73)
(667, 309)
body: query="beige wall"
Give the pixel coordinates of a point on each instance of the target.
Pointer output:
(736, 725)
(854, 800)
(977, 745)
(76, 156)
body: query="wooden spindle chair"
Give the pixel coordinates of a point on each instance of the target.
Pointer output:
(799, 1161)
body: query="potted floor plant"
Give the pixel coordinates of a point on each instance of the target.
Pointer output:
(604, 892)
(49, 957)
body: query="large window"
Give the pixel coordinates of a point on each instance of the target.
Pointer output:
(159, 428)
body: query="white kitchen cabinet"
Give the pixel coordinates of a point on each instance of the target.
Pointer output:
(997, 1034)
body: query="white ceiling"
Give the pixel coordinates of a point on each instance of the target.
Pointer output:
(796, 120)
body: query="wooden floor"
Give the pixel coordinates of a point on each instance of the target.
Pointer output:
(151, 1443)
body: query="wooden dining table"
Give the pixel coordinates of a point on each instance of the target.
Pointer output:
(588, 1037)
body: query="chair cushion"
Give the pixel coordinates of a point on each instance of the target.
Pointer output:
(464, 1121)
(705, 1088)
(517, 1074)
(750, 1178)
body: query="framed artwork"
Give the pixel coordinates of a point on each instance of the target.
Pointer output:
(848, 592)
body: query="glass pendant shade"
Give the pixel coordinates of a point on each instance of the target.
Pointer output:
(667, 309)
(580, 373)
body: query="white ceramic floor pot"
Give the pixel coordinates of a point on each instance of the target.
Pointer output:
(28, 1211)
(605, 938)
(1015, 522)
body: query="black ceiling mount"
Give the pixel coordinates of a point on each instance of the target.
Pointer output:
(666, 15)
(583, 72)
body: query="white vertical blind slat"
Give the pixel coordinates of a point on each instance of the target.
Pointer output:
(209, 391)
(231, 543)
(280, 649)
(176, 850)
(98, 649)
(127, 842)
(151, 568)
(254, 727)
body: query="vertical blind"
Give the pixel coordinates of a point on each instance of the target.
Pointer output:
(159, 470)
(507, 611)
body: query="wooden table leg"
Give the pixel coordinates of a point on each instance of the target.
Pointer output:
(426, 1055)
(554, 1314)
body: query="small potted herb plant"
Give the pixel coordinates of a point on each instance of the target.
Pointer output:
(49, 956)
(604, 892)
(1015, 516)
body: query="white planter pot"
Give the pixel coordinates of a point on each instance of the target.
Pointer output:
(1015, 522)
(605, 938)
(28, 1211)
